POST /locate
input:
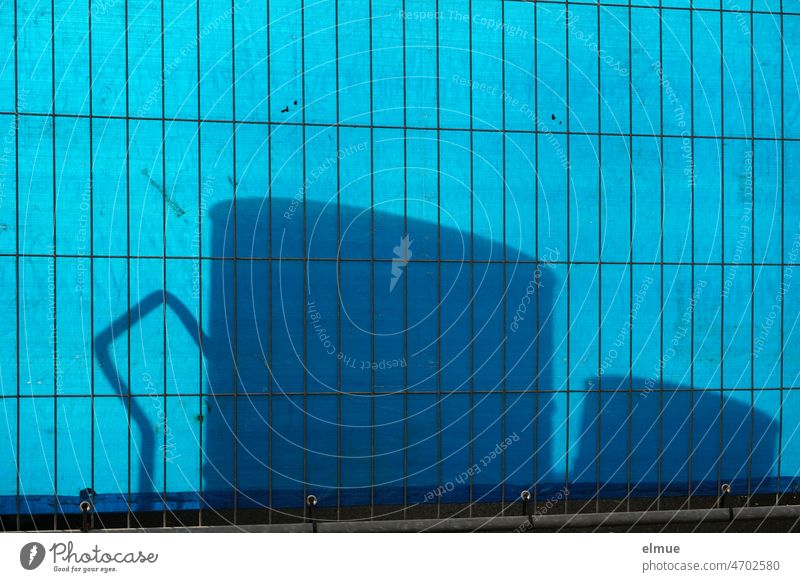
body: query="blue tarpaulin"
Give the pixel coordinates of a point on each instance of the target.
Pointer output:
(396, 252)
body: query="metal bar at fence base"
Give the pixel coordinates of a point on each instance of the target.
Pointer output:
(511, 524)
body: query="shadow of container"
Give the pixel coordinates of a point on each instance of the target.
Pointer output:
(396, 381)
(640, 439)
(406, 380)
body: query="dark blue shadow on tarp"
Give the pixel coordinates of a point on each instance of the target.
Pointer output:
(661, 439)
(273, 369)
(348, 394)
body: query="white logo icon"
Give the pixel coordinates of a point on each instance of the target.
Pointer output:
(402, 254)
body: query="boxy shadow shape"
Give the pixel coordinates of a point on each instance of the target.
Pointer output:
(269, 415)
(643, 439)
(323, 375)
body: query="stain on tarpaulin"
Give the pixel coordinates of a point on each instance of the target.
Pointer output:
(286, 109)
(174, 206)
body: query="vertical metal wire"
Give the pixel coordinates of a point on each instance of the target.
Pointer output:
(569, 265)
(305, 238)
(661, 249)
(91, 242)
(237, 387)
(599, 261)
(200, 387)
(236, 376)
(783, 259)
(56, 505)
(504, 136)
(129, 515)
(372, 265)
(405, 279)
(164, 266)
(536, 263)
(752, 259)
(629, 458)
(439, 454)
(722, 239)
(271, 264)
(17, 253)
(471, 278)
(338, 278)
(692, 218)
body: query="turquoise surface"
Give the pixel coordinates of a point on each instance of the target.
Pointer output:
(397, 252)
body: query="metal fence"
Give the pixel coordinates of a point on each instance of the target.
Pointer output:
(409, 258)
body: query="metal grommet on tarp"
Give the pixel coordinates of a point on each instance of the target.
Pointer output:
(87, 509)
(725, 491)
(86, 516)
(525, 496)
(311, 503)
